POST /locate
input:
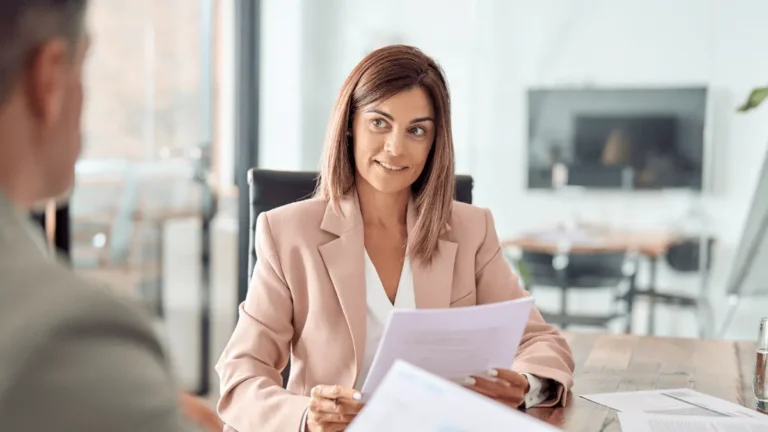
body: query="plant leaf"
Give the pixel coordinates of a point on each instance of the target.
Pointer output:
(755, 98)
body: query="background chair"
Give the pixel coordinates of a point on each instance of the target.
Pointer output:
(271, 189)
(580, 271)
(685, 257)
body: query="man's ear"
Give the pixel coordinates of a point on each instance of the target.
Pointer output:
(46, 80)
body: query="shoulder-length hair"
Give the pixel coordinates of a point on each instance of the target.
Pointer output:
(379, 76)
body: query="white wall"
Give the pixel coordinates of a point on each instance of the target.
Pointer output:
(493, 50)
(281, 111)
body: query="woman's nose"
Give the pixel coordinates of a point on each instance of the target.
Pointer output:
(394, 144)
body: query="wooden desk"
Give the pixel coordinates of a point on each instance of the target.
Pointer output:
(608, 363)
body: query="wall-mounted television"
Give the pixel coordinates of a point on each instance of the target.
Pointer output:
(631, 139)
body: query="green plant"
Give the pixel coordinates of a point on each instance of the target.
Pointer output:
(755, 98)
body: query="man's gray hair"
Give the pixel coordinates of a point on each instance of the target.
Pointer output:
(26, 24)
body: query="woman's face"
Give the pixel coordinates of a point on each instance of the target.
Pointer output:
(392, 140)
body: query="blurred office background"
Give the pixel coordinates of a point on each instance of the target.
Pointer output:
(583, 123)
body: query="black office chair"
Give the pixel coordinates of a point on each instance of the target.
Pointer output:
(271, 189)
(580, 271)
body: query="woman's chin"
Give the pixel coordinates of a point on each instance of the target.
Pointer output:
(380, 180)
(390, 187)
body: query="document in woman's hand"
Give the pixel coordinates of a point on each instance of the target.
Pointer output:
(410, 399)
(451, 343)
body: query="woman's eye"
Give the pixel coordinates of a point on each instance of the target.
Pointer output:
(378, 123)
(418, 131)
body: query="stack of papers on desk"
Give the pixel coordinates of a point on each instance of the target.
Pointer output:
(679, 410)
(451, 343)
(639, 422)
(410, 399)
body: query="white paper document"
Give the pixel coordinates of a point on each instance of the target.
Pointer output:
(410, 399)
(683, 402)
(451, 343)
(640, 422)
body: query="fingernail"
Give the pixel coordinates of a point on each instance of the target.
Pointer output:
(357, 396)
(492, 373)
(469, 381)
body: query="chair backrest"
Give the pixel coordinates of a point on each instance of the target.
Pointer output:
(272, 189)
(269, 190)
(685, 256)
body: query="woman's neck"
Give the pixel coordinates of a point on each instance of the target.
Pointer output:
(382, 210)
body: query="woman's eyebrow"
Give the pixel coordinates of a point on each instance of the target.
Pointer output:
(421, 119)
(390, 117)
(387, 115)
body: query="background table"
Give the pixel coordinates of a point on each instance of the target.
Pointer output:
(597, 239)
(607, 363)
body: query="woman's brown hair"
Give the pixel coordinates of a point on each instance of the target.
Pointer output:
(379, 76)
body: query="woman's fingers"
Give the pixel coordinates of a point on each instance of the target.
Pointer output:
(328, 427)
(323, 418)
(334, 407)
(336, 392)
(328, 421)
(503, 389)
(497, 389)
(512, 377)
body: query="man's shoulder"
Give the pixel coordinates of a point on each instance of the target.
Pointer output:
(60, 331)
(50, 290)
(38, 291)
(49, 302)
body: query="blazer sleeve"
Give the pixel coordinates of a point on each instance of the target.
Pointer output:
(543, 351)
(252, 396)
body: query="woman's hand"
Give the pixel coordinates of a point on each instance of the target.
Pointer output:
(332, 408)
(199, 413)
(501, 385)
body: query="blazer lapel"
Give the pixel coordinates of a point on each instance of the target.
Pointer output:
(432, 283)
(344, 260)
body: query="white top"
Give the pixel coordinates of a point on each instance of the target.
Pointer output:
(378, 309)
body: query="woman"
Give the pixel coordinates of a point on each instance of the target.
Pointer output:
(383, 231)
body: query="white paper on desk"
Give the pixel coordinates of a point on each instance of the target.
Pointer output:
(410, 399)
(451, 343)
(640, 422)
(685, 402)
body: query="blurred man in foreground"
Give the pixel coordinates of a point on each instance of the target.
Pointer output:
(72, 356)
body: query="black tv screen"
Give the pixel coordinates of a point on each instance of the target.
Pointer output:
(616, 138)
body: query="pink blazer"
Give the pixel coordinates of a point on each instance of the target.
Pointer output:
(307, 301)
